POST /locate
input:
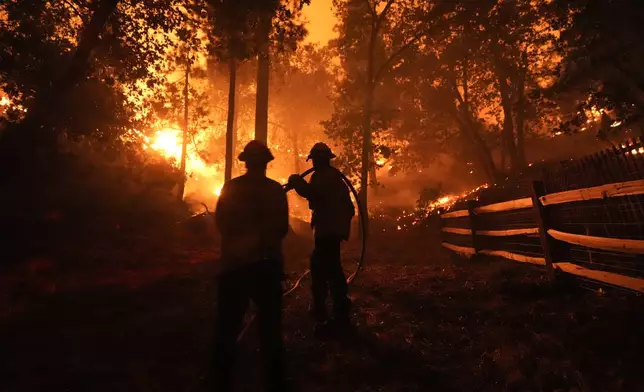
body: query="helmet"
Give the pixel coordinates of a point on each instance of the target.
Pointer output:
(256, 151)
(320, 150)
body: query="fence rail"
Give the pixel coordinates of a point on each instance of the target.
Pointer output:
(456, 230)
(598, 192)
(584, 218)
(456, 214)
(505, 206)
(610, 244)
(511, 232)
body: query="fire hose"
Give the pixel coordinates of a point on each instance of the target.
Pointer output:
(363, 226)
(363, 217)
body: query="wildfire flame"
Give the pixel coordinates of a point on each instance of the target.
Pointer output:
(447, 202)
(168, 143)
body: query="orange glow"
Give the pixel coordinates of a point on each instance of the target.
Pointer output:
(168, 142)
(201, 175)
(6, 104)
(321, 21)
(447, 202)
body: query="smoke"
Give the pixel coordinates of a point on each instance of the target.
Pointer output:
(402, 189)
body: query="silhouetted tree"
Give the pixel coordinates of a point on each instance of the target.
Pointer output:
(603, 59)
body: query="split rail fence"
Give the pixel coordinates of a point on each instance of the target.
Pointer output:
(583, 219)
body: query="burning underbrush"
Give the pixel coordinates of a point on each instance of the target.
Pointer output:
(389, 218)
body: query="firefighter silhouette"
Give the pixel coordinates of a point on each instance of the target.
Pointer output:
(252, 217)
(333, 210)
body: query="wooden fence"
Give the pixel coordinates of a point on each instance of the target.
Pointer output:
(581, 219)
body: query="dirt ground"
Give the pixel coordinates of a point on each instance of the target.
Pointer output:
(426, 321)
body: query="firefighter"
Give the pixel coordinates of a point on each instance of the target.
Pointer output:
(333, 211)
(252, 217)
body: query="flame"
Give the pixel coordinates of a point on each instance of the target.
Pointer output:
(6, 104)
(594, 114)
(168, 143)
(634, 151)
(406, 219)
(447, 202)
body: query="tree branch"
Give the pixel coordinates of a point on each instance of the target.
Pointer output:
(75, 8)
(390, 61)
(280, 126)
(383, 14)
(372, 9)
(436, 10)
(457, 94)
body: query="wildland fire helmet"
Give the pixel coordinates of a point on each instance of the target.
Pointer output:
(256, 151)
(320, 150)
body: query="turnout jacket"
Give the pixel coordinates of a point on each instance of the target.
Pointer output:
(330, 201)
(252, 217)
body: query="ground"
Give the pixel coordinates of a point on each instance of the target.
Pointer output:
(426, 321)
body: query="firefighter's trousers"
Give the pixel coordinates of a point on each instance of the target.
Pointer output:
(260, 282)
(327, 276)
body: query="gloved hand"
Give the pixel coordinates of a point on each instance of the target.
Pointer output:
(294, 180)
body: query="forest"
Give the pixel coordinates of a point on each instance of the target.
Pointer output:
(162, 95)
(120, 120)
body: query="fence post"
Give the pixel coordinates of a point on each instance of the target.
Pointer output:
(543, 221)
(471, 205)
(441, 224)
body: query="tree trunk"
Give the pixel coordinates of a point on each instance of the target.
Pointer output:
(373, 174)
(520, 118)
(469, 130)
(508, 124)
(503, 154)
(296, 151)
(478, 156)
(366, 117)
(235, 164)
(43, 111)
(507, 134)
(366, 145)
(483, 153)
(263, 70)
(466, 88)
(184, 139)
(230, 122)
